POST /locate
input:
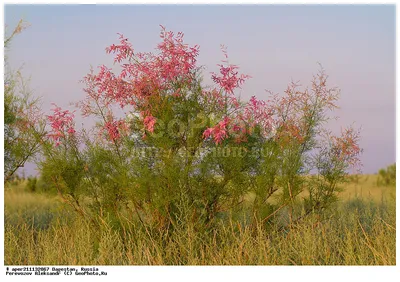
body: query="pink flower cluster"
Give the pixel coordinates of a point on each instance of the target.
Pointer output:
(62, 123)
(229, 78)
(258, 112)
(146, 77)
(218, 132)
(143, 77)
(241, 118)
(123, 51)
(215, 98)
(149, 123)
(242, 122)
(177, 60)
(346, 147)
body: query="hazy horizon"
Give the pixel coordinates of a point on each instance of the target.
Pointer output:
(274, 44)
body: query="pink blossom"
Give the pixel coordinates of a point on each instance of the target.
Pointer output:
(146, 77)
(149, 123)
(229, 78)
(208, 132)
(115, 128)
(143, 76)
(258, 113)
(218, 132)
(346, 147)
(242, 119)
(61, 123)
(112, 129)
(123, 51)
(71, 130)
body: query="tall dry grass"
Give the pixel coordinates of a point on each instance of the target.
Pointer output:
(356, 231)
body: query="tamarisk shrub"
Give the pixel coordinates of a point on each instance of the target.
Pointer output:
(24, 123)
(182, 150)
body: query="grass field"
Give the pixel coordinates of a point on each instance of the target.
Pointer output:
(358, 230)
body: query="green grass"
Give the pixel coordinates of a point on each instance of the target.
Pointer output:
(359, 230)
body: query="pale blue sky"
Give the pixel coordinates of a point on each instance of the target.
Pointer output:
(274, 44)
